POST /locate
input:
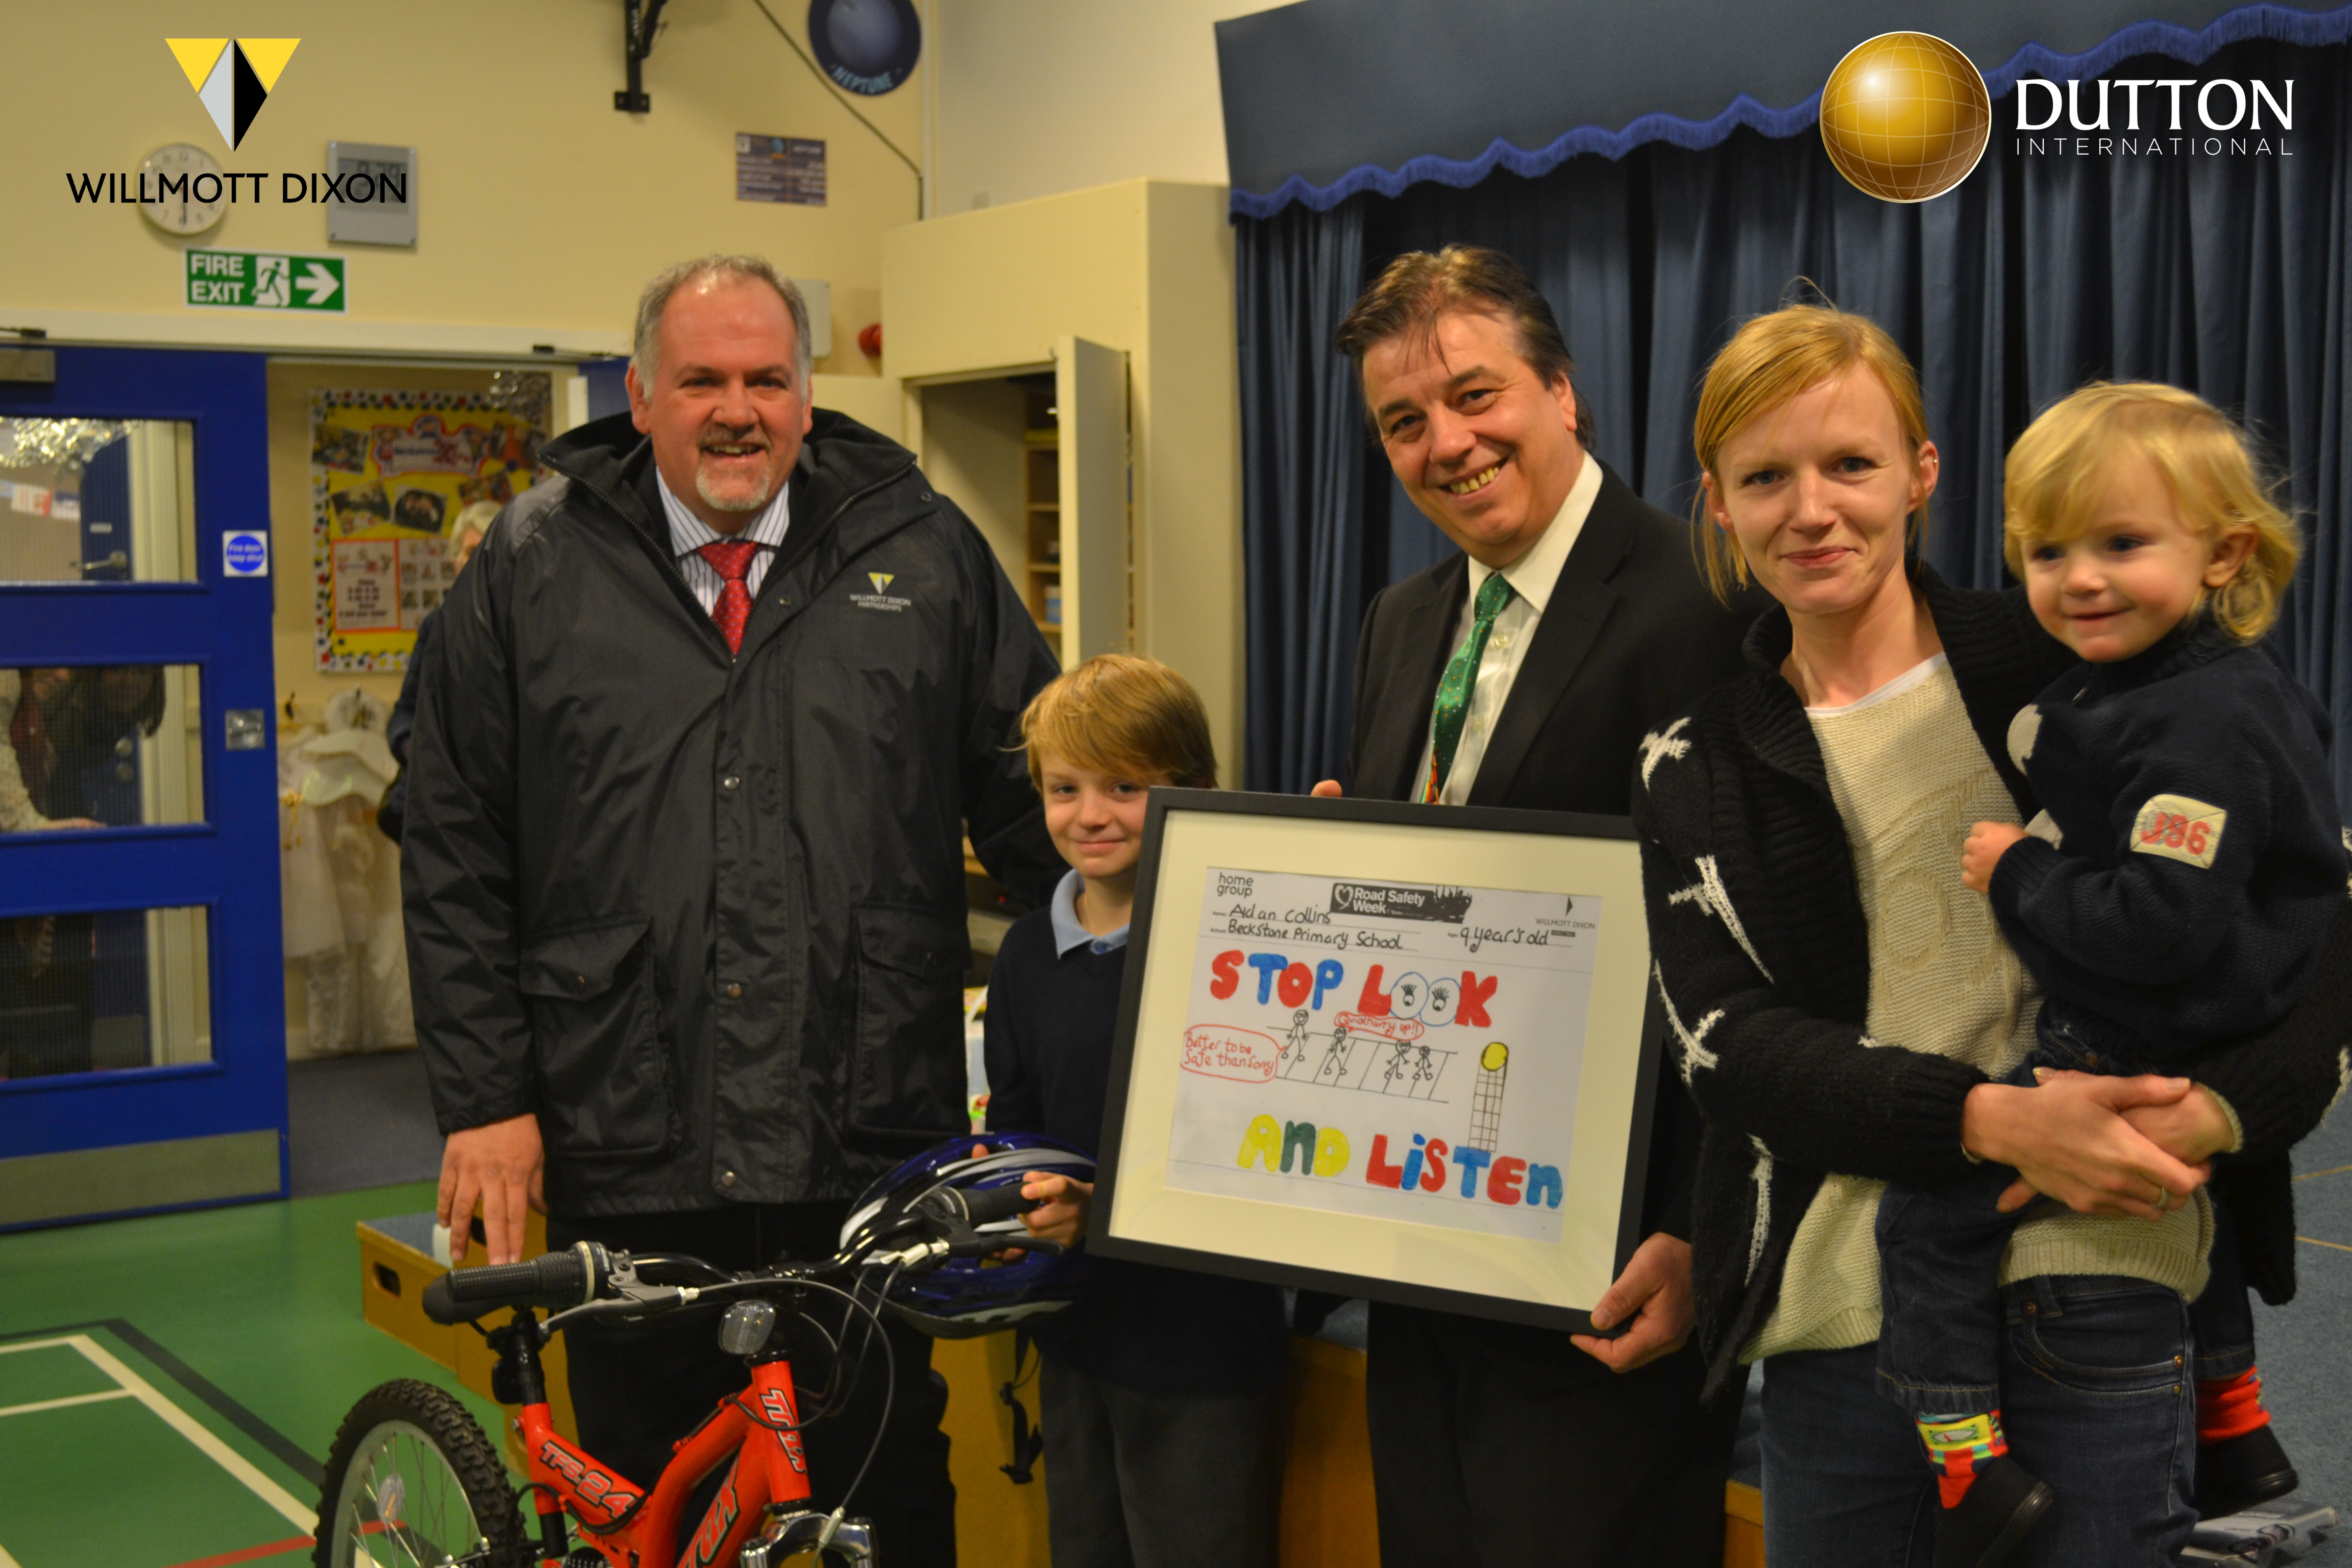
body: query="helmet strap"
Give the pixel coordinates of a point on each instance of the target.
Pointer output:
(1028, 1441)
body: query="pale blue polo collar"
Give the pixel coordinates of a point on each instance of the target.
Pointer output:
(1068, 934)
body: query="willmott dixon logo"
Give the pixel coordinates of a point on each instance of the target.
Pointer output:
(233, 78)
(881, 599)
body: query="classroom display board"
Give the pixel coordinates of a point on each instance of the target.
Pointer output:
(390, 472)
(1398, 1051)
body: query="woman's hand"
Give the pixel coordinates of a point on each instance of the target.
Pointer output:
(2193, 1128)
(1063, 1215)
(1987, 843)
(2071, 1140)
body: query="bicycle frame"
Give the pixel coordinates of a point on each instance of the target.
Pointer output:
(769, 1468)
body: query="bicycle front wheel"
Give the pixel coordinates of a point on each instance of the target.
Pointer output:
(412, 1483)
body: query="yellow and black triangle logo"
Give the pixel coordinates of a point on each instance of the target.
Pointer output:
(233, 78)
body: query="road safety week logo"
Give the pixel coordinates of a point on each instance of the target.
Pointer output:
(881, 599)
(233, 78)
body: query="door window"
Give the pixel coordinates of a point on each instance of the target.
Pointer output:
(84, 991)
(116, 745)
(97, 500)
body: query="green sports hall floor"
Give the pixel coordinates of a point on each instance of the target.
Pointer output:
(169, 1386)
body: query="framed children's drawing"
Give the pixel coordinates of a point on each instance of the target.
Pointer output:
(1395, 1051)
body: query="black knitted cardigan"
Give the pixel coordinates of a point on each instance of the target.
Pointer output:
(1762, 962)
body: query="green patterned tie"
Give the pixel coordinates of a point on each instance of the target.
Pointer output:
(1461, 676)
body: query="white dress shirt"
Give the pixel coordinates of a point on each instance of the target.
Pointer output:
(1532, 577)
(688, 533)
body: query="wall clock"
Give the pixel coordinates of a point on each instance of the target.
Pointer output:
(180, 211)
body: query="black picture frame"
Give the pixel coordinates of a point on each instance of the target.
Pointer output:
(1107, 1241)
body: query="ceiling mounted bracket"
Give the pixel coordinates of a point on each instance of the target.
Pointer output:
(640, 20)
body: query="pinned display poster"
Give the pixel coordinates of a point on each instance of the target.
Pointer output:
(391, 474)
(1396, 1051)
(779, 169)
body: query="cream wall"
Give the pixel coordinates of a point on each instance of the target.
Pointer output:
(540, 206)
(1145, 266)
(1032, 98)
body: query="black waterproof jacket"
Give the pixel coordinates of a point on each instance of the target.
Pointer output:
(703, 915)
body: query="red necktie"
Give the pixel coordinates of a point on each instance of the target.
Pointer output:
(730, 558)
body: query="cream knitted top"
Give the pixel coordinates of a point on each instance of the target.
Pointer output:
(1909, 779)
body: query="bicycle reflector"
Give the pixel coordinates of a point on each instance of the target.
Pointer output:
(969, 1295)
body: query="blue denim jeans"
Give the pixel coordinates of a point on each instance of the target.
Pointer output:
(1939, 1252)
(2098, 1404)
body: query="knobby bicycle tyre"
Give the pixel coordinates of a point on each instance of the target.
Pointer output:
(411, 1482)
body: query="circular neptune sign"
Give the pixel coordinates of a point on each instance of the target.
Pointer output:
(1905, 116)
(865, 46)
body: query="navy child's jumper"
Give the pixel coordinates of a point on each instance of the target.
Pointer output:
(1050, 1019)
(2201, 855)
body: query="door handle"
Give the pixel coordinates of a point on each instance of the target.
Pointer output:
(116, 562)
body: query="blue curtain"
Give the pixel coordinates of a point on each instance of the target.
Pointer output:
(1303, 464)
(2223, 274)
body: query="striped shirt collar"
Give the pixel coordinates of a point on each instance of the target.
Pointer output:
(688, 533)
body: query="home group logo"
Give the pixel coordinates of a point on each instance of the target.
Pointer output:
(1905, 116)
(233, 78)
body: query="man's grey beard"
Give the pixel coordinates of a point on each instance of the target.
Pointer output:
(758, 501)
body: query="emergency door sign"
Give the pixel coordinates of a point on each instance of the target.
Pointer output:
(260, 281)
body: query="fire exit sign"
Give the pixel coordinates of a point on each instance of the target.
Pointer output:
(259, 281)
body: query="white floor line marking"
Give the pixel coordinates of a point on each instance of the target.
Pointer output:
(6, 1560)
(11, 1349)
(187, 1427)
(66, 1403)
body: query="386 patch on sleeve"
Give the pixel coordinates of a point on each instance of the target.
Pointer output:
(2180, 828)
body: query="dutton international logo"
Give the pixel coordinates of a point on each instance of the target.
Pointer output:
(233, 77)
(1905, 116)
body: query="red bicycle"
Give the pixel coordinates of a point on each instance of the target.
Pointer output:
(412, 1481)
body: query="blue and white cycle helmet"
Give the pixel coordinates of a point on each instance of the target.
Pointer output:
(965, 1296)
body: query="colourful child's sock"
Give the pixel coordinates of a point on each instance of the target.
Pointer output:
(2229, 1406)
(1959, 1446)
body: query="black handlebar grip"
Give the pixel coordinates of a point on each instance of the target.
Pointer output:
(992, 1204)
(550, 1279)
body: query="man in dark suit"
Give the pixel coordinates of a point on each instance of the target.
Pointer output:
(1532, 670)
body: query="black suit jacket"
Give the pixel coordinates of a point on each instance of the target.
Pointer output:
(1631, 639)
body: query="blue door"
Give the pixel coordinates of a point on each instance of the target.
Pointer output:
(143, 1029)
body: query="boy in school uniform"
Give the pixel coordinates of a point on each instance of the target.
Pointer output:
(1159, 1387)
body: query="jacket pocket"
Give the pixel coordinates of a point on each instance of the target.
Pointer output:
(604, 1089)
(907, 1083)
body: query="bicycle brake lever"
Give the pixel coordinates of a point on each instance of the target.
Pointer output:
(635, 1300)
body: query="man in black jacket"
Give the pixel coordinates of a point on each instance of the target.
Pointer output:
(711, 715)
(1527, 672)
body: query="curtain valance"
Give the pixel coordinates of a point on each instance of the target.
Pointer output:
(1329, 98)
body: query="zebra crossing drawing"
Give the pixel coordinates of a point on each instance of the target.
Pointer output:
(1365, 1055)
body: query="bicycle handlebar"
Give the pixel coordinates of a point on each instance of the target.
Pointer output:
(971, 1210)
(554, 1279)
(570, 1281)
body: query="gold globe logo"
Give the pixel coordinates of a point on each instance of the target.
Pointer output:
(1905, 116)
